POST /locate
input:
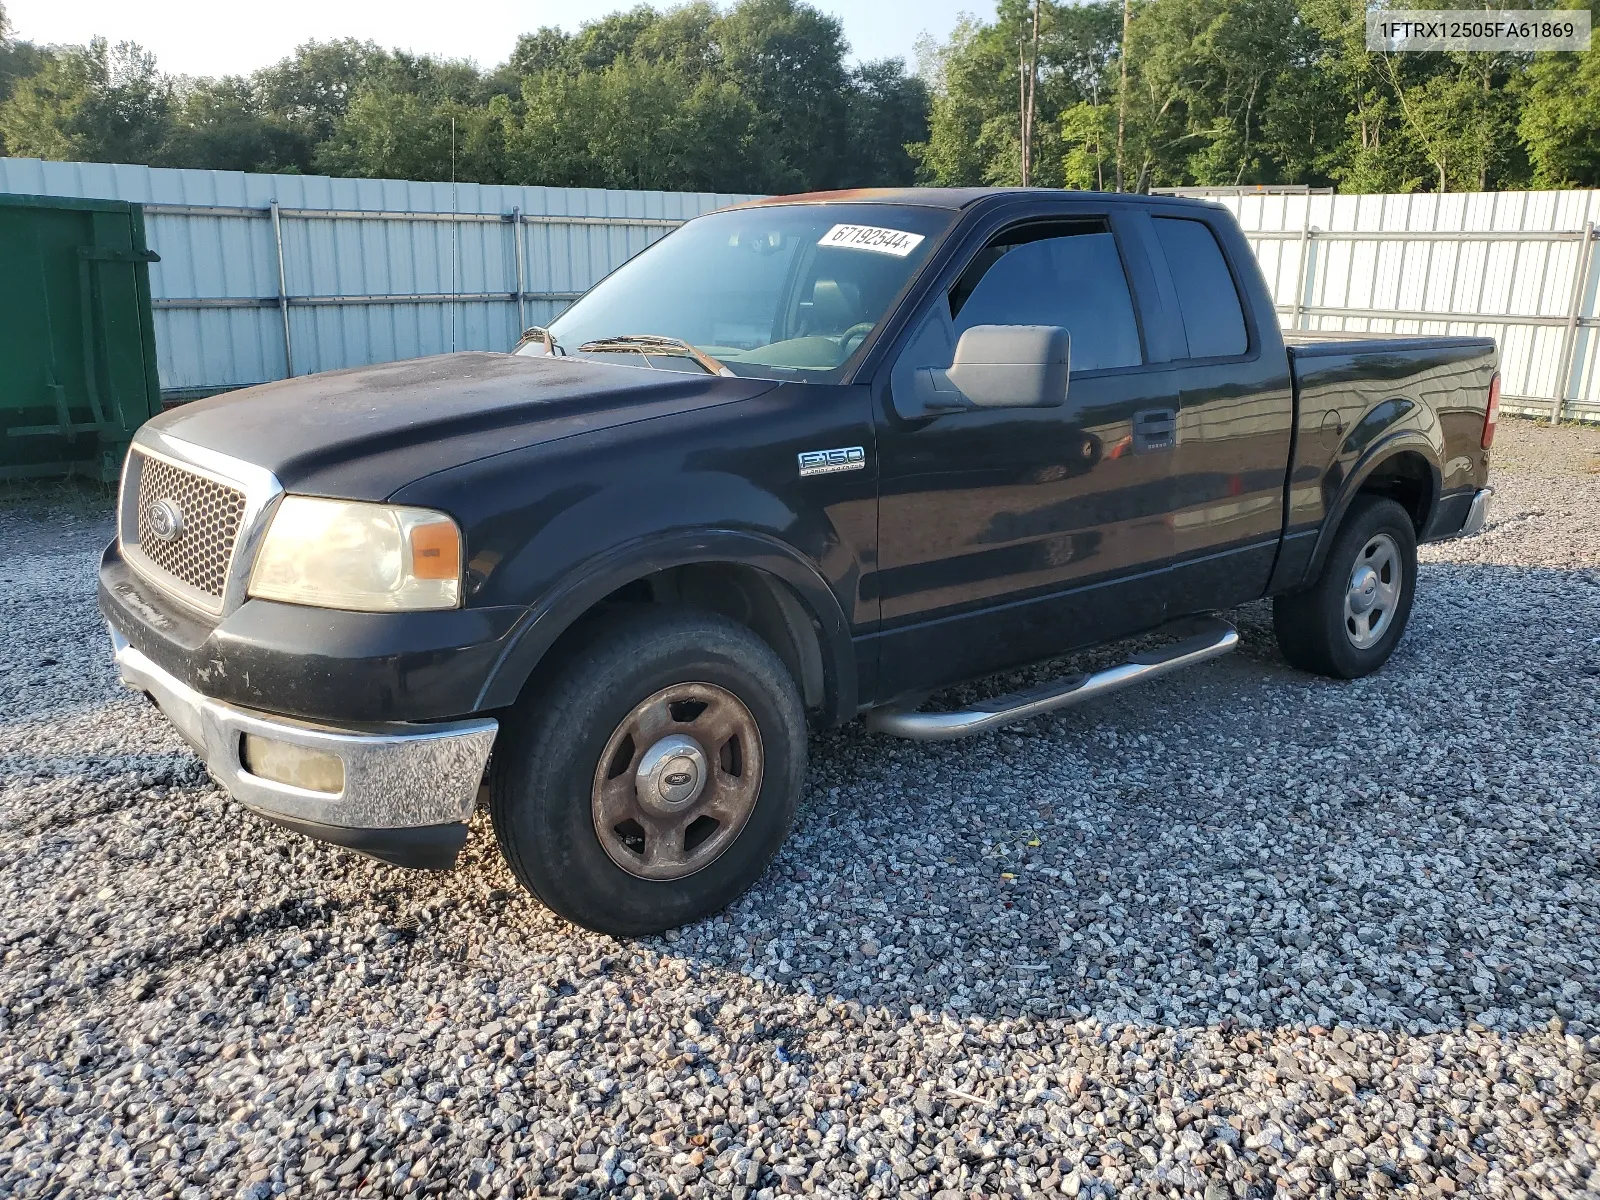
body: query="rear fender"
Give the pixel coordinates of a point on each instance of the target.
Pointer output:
(1423, 442)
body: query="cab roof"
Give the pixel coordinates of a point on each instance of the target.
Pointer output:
(947, 197)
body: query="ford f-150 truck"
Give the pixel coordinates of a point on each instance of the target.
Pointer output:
(802, 460)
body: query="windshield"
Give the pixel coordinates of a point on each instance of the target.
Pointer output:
(788, 291)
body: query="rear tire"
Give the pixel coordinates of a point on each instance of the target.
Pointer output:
(654, 775)
(1349, 621)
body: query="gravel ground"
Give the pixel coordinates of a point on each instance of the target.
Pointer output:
(1239, 932)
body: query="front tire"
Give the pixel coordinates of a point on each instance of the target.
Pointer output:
(1349, 621)
(654, 776)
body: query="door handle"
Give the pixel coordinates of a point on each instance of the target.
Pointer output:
(1154, 429)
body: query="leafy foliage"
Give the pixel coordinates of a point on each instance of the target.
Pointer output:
(760, 96)
(757, 97)
(1227, 92)
(1559, 123)
(975, 131)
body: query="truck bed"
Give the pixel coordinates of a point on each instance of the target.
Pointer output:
(1357, 395)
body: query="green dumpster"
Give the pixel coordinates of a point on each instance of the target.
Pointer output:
(77, 341)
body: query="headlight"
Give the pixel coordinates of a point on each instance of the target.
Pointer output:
(367, 557)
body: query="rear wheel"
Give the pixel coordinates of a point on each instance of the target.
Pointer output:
(655, 776)
(1349, 621)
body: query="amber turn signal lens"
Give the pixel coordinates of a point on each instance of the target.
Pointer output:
(435, 550)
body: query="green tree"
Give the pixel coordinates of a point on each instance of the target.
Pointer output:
(547, 49)
(313, 87)
(763, 85)
(600, 44)
(886, 111)
(1227, 92)
(966, 95)
(687, 36)
(1354, 135)
(1203, 74)
(755, 97)
(787, 60)
(1089, 136)
(222, 124)
(420, 118)
(97, 102)
(1460, 117)
(18, 60)
(635, 125)
(1559, 124)
(975, 129)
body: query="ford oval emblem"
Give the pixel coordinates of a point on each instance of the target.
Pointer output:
(679, 779)
(165, 520)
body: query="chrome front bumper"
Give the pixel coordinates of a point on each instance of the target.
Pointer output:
(396, 777)
(1478, 514)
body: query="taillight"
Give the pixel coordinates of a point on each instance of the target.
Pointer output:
(1493, 414)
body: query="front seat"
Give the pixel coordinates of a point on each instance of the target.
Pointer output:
(835, 307)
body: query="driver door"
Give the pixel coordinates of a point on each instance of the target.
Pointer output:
(1010, 535)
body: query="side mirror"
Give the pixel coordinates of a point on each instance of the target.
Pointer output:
(1001, 366)
(535, 333)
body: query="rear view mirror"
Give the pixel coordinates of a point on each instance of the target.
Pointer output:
(1001, 366)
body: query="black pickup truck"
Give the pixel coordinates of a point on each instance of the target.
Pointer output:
(802, 460)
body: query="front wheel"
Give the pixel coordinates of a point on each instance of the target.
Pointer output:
(1349, 621)
(655, 776)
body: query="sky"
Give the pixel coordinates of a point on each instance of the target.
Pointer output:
(208, 37)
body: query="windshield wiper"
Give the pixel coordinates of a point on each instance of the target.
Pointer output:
(651, 343)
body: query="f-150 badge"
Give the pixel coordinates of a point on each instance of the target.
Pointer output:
(826, 462)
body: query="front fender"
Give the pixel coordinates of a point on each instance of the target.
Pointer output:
(603, 574)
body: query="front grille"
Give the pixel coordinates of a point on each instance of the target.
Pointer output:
(211, 515)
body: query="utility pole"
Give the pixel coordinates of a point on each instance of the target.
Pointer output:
(1027, 87)
(1022, 109)
(1122, 92)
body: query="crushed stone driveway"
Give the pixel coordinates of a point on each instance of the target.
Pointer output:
(1240, 933)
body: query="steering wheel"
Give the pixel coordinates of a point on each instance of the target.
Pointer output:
(859, 332)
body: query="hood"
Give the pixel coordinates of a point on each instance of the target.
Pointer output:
(363, 433)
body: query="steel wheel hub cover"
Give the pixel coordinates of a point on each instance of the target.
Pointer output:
(671, 774)
(1373, 593)
(1363, 588)
(677, 781)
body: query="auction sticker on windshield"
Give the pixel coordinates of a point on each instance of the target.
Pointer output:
(872, 237)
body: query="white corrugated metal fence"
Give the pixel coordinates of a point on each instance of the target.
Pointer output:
(263, 276)
(1516, 266)
(267, 275)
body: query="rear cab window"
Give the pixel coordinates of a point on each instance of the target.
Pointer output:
(1208, 299)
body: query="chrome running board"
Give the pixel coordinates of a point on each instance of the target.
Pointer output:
(1208, 638)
